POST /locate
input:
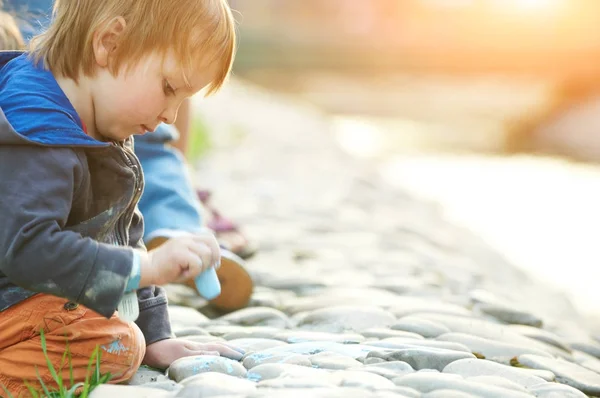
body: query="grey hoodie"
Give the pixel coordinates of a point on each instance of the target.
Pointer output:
(68, 203)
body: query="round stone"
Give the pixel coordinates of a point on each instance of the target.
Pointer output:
(191, 366)
(257, 316)
(216, 384)
(566, 372)
(479, 367)
(424, 358)
(333, 361)
(346, 318)
(303, 336)
(423, 327)
(493, 350)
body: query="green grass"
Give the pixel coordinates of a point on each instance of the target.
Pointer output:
(199, 139)
(92, 380)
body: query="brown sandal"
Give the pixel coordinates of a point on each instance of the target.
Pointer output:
(236, 283)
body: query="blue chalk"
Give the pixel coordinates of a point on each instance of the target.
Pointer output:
(208, 285)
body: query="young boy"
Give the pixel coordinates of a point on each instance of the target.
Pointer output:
(169, 203)
(70, 245)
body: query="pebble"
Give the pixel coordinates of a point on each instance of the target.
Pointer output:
(253, 344)
(398, 343)
(112, 391)
(333, 361)
(427, 382)
(491, 349)
(257, 316)
(186, 317)
(566, 372)
(423, 327)
(423, 358)
(384, 333)
(341, 319)
(303, 336)
(389, 370)
(216, 384)
(479, 367)
(510, 315)
(191, 366)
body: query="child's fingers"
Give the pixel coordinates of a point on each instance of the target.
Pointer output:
(204, 252)
(217, 349)
(209, 240)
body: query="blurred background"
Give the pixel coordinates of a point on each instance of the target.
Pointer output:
(489, 107)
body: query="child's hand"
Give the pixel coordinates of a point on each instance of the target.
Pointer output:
(179, 259)
(162, 353)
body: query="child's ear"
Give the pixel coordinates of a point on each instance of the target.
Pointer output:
(105, 40)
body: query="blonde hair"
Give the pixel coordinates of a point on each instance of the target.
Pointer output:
(10, 36)
(199, 32)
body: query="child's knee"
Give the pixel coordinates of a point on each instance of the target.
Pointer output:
(126, 352)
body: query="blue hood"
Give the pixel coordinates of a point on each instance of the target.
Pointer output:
(34, 109)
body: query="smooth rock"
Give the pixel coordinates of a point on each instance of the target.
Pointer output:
(589, 346)
(510, 315)
(371, 360)
(384, 333)
(257, 316)
(408, 305)
(394, 343)
(420, 326)
(366, 380)
(555, 390)
(191, 366)
(566, 372)
(186, 317)
(269, 371)
(481, 367)
(255, 344)
(444, 393)
(203, 339)
(427, 382)
(398, 392)
(333, 361)
(319, 392)
(230, 332)
(310, 348)
(263, 357)
(587, 361)
(389, 370)
(112, 391)
(298, 382)
(493, 350)
(485, 329)
(498, 382)
(541, 335)
(424, 358)
(303, 336)
(183, 331)
(215, 384)
(346, 318)
(145, 375)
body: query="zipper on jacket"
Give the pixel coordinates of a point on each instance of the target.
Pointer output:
(134, 164)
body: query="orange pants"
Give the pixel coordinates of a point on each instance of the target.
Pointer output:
(122, 345)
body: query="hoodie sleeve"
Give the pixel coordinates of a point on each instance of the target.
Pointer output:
(38, 185)
(154, 319)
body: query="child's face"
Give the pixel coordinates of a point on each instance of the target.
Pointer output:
(136, 101)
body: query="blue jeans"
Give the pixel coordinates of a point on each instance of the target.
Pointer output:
(169, 202)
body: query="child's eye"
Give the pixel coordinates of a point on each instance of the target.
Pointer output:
(169, 90)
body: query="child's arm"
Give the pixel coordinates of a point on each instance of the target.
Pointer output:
(37, 188)
(153, 320)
